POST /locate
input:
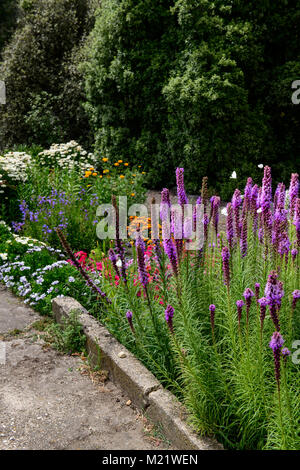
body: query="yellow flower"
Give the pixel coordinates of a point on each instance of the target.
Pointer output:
(105, 171)
(94, 174)
(92, 169)
(87, 174)
(89, 185)
(143, 173)
(134, 175)
(132, 194)
(116, 164)
(120, 161)
(100, 176)
(104, 160)
(122, 176)
(126, 164)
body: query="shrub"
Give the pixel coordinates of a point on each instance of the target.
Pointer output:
(44, 86)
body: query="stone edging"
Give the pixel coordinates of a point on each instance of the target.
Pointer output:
(143, 389)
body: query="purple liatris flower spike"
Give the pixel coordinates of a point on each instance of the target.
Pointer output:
(195, 212)
(239, 304)
(171, 252)
(129, 318)
(257, 289)
(169, 314)
(247, 197)
(266, 195)
(276, 344)
(296, 297)
(205, 226)
(182, 197)
(263, 303)
(248, 294)
(140, 248)
(293, 193)
(212, 309)
(297, 220)
(215, 212)
(274, 293)
(165, 205)
(236, 203)
(244, 239)
(294, 253)
(229, 225)
(225, 264)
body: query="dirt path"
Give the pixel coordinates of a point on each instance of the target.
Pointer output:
(53, 401)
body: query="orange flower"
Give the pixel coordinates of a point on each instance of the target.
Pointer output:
(116, 164)
(126, 164)
(122, 176)
(104, 160)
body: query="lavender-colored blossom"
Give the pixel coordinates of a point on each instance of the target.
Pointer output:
(216, 201)
(297, 220)
(169, 314)
(165, 205)
(263, 303)
(248, 294)
(293, 192)
(236, 203)
(212, 309)
(129, 318)
(244, 239)
(182, 197)
(294, 253)
(257, 289)
(276, 344)
(205, 226)
(225, 265)
(274, 293)
(229, 225)
(296, 297)
(171, 252)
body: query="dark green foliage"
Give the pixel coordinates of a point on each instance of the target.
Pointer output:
(44, 85)
(8, 17)
(193, 83)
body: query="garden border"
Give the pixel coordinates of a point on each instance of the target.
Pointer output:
(143, 389)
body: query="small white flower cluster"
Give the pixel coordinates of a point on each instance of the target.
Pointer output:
(67, 156)
(14, 167)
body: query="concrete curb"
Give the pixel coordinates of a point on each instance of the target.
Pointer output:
(143, 389)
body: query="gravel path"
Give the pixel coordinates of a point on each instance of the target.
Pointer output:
(49, 400)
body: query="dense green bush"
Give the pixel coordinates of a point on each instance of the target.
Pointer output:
(44, 85)
(8, 17)
(205, 85)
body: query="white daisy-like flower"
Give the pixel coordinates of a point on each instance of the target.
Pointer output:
(233, 175)
(260, 165)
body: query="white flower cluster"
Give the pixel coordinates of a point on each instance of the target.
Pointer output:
(67, 156)
(13, 166)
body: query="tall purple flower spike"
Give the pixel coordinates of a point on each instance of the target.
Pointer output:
(143, 276)
(182, 197)
(274, 293)
(226, 269)
(169, 314)
(293, 193)
(276, 344)
(170, 251)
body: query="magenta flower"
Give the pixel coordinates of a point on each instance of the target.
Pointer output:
(212, 309)
(165, 205)
(276, 344)
(171, 252)
(169, 314)
(244, 235)
(229, 225)
(182, 197)
(293, 192)
(274, 293)
(248, 294)
(226, 269)
(263, 302)
(129, 318)
(296, 297)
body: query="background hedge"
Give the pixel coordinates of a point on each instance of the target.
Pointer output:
(194, 83)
